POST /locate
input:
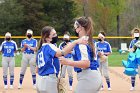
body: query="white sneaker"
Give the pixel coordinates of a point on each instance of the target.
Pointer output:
(70, 88)
(132, 88)
(109, 89)
(34, 86)
(19, 86)
(5, 86)
(101, 89)
(11, 86)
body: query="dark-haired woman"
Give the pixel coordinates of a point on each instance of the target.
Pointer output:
(89, 78)
(48, 68)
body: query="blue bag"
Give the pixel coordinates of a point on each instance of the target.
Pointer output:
(130, 71)
(138, 56)
(131, 57)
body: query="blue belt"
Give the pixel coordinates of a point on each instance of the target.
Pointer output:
(85, 69)
(28, 53)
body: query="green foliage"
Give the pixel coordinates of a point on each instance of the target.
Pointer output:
(60, 14)
(33, 15)
(104, 13)
(11, 17)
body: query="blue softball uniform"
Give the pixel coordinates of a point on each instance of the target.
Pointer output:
(84, 52)
(32, 42)
(46, 60)
(105, 47)
(61, 46)
(132, 43)
(8, 48)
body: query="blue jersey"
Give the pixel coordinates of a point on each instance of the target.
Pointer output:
(8, 48)
(61, 46)
(96, 54)
(84, 52)
(132, 43)
(32, 42)
(46, 60)
(104, 47)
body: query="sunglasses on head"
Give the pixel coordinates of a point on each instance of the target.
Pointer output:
(76, 25)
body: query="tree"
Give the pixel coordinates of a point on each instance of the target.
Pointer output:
(34, 15)
(60, 14)
(11, 17)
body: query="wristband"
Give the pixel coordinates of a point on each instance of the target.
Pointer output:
(62, 52)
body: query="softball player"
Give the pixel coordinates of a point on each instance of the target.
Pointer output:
(8, 48)
(28, 48)
(89, 78)
(48, 68)
(66, 40)
(104, 48)
(136, 34)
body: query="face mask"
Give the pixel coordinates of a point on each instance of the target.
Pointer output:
(29, 35)
(99, 39)
(54, 39)
(8, 39)
(76, 34)
(136, 38)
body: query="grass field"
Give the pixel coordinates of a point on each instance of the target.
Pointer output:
(115, 59)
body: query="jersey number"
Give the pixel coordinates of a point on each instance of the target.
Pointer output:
(40, 60)
(8, 50)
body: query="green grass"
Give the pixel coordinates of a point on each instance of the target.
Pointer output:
(115, 59)
(17, 60)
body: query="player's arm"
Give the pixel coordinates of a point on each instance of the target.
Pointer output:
(80, 64)
(24, 47)
(1, 48)
(84, 61)
(66, 49)
(109, 50)
(33, 48)
(15, 47)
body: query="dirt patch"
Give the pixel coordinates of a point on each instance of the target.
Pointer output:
(120, 83)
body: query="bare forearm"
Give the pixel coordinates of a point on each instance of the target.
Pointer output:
(22, 49)
(108, 53)
(79, 64)
(32, 48)
(69, 47)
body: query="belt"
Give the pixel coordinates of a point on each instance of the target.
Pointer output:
(28, 53)
(85, 69)
(50, 75)
(8, 56)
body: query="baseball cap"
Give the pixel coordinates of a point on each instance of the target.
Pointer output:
(8, 34)
(29, 31)
(66, 36)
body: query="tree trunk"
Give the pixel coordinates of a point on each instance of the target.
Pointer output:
(118, 30)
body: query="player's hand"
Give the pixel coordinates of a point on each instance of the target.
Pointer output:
(100, 53)
(83, 40)
(63, 61)
(25, 45)
(36, 70)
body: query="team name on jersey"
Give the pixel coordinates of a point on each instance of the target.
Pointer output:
(12, 47)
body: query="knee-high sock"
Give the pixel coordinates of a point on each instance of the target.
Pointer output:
(34, 79)
(108, 82)
(133, 81)
(11, 79)
(5, 80)
(70, 80)
(21, 78)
